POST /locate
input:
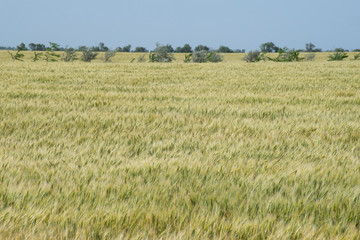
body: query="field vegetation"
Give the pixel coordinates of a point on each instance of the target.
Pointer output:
(229, 150)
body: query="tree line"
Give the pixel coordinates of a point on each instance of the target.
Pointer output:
(267, 47)
(102, 48)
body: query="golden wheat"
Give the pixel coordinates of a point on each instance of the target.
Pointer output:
(179, 151)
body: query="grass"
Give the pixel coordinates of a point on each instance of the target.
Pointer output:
(179, 151)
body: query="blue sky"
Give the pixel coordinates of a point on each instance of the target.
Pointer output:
(234, 23)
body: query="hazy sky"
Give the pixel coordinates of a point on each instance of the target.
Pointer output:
(239, 24)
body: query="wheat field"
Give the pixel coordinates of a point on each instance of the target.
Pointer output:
(230, 150)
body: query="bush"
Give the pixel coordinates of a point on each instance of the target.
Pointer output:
(309, 56)
(200, 56)
(51, 55)
(161, 54)
(188, 58)
(357, 56)
(252, 56)
(214, 57)
(337, 56)
(205, 56)
(69, 55)
(88, 55)
(108, 55)
(141, 58)
(286, 55)
(37, 56)
(18, 56)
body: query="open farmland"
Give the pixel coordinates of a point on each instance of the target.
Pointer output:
(231, 150)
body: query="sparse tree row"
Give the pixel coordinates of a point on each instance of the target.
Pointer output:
(164, 53)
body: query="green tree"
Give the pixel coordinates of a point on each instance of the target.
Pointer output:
(201, 48)
(268, 47)
(140, 49)
(126, 48)
(224, 49)
(22, 46)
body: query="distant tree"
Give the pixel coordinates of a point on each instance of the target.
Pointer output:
(102, 47)
(169, 48)
(224, 49)
(95, 49)
(268, 47)
(309, 47)
(126, 48)
(140, 49)
(32, 46)
(37, 47)
(185, 49)
(82, 48)
(356, 50)
(201, 48)
(6, 48)
(239, 51)
(22, 46)
(118, 49)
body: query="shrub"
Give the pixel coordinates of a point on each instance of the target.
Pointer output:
(310, 56)
(88, 55)
(18, 56)
(252, 56)
(37, 56)
(200, 56)
(108, 55)
(161, 54)
(188, 58)
(69, 55)
(51, 55)
(357, 56)
(205, 56)
(141, 58)
(286, 55)
(214, 57)
(337, 56)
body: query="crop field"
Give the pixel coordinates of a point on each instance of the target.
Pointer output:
(229, 150)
